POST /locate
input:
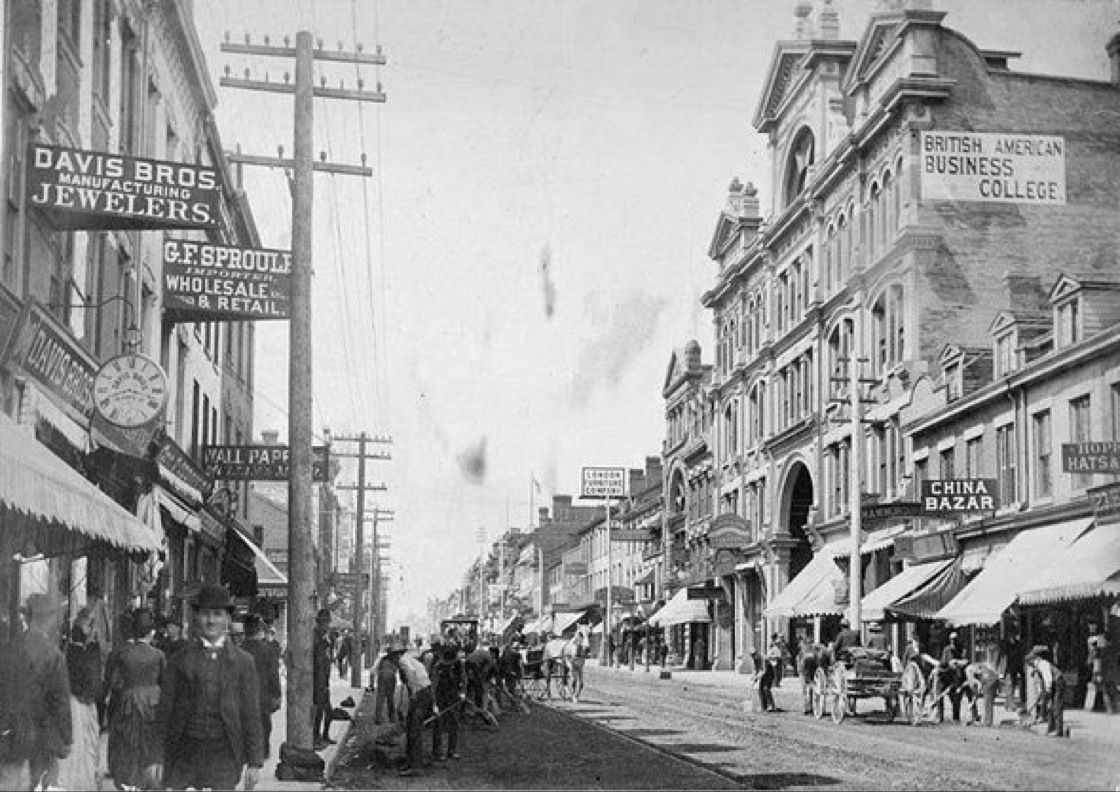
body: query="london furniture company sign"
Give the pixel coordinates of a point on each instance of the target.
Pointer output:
(1007, 167)
(99, 190)
(207, 282)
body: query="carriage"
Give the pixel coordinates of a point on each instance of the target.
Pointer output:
(837, 685)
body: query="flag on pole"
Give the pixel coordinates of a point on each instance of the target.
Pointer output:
(536, 484)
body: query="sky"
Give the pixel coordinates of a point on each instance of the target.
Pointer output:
(503, 296)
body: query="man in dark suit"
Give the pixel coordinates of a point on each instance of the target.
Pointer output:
(321, 681)
(210, 704)
(267, 661)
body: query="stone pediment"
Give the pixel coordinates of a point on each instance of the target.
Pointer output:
(784, 73)
(871, 47)
(727, 227)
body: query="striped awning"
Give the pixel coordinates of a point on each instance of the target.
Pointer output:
(1087, 569)
(562, 621)
(901, 585)
(35, 481)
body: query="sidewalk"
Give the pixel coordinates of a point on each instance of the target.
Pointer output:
(1092, 726)
(340, 731)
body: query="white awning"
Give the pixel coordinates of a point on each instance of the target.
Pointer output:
(562, 621)
(267, 573)
(1028, 556)
(681, 610)
(538, 625)
(901, 585)
(35, 481)
(872, 541)
(812, 592)
(1089, 568)
(181, 513)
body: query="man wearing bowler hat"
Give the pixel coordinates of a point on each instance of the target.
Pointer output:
(210, 704)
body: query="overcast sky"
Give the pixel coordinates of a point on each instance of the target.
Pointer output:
(513, 280)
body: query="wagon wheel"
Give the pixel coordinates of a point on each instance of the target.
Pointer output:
(817, 690)
(840, 695)
(912, 691)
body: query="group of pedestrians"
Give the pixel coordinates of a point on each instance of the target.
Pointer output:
(180, 713)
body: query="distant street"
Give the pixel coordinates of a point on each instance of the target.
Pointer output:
(632, 730)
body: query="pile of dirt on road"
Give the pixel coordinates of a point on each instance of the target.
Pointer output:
(369, 747)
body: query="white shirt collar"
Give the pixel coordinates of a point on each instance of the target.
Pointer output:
(218, 644)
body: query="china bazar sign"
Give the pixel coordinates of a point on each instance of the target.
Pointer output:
(959, 495)
(98, 190)
(260, 462)
(1005, 167)
(206, 282)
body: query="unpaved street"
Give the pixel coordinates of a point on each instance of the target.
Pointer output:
(632, 730)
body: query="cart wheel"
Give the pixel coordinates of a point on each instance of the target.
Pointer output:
(840, 696)
(818, 691)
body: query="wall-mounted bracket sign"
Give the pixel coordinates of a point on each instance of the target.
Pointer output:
(1090, 457)
(260, 462)
(940, 496)
(98, 190)
(204, 282)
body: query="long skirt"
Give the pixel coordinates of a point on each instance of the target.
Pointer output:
(79, 769)
(133, 737)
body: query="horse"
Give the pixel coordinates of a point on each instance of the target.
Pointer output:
(567, 656)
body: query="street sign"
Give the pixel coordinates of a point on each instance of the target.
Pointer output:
(602, 482)
(1106, 500)
(1103, 457)
(260, 462)
(956, 496)
(886, 511)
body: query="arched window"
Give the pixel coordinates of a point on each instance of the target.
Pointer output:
(874, 221)
(799, 161)
(887, 226)
(896, 195)
(888, 322)
(829, 256)
(839, 348)
(844, 248)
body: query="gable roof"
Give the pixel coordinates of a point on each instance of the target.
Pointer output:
(1069, 282)
(784, 72)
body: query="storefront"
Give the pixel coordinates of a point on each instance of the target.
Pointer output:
(686, 623)
(61, 535)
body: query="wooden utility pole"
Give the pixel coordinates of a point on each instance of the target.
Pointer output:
(301, 550)
(377, 610)
(359, 587)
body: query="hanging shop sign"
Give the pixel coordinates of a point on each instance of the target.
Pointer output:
(43, 350)
(1004, 167)
(602, 482)
(923, 548)
(205, 282)
(704, 593)
(1106, 500)
(1102, 457)
(877, 512)
(98, 190)
(940, 496)
(261, 462)
(177, 468)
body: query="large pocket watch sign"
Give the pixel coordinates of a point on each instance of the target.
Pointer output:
(130, 390)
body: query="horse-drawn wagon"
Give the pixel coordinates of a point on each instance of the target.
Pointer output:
(838, 683)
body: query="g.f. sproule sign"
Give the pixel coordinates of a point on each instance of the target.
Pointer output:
(1008, 167)
(99, 190)
(206, 282)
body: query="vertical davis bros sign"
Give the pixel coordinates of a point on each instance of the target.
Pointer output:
(207, 282)
(99, 190)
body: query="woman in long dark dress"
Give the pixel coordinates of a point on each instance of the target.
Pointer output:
(134, 679)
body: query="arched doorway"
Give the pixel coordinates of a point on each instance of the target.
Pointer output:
(797, 502)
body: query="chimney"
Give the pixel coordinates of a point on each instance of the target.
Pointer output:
(828, 22)
(542, 516)
(561, 505)
(692, 355)
(636, 482)
(270, 437)
(653, 470)
(1113, 50)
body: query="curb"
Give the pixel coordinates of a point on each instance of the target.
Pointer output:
(332, 760)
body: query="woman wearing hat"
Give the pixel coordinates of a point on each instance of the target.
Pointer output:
(210, 704)
(133, 679)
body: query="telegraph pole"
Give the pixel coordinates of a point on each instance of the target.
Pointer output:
(359, 586)
(377, 611)
(301, 550)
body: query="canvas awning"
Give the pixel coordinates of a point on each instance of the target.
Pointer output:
(869, 543)
(267, 573)
(681, 610)
(538, 625)
(1088, 568)
(1025, 558)
(562, 621)
(901, 585)
(812, 592)
(35, 481)
(926, 601)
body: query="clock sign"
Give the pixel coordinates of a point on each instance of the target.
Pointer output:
(130, 390)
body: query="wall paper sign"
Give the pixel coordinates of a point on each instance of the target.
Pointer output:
(260, 462)
(206, 282)
(98, 190)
